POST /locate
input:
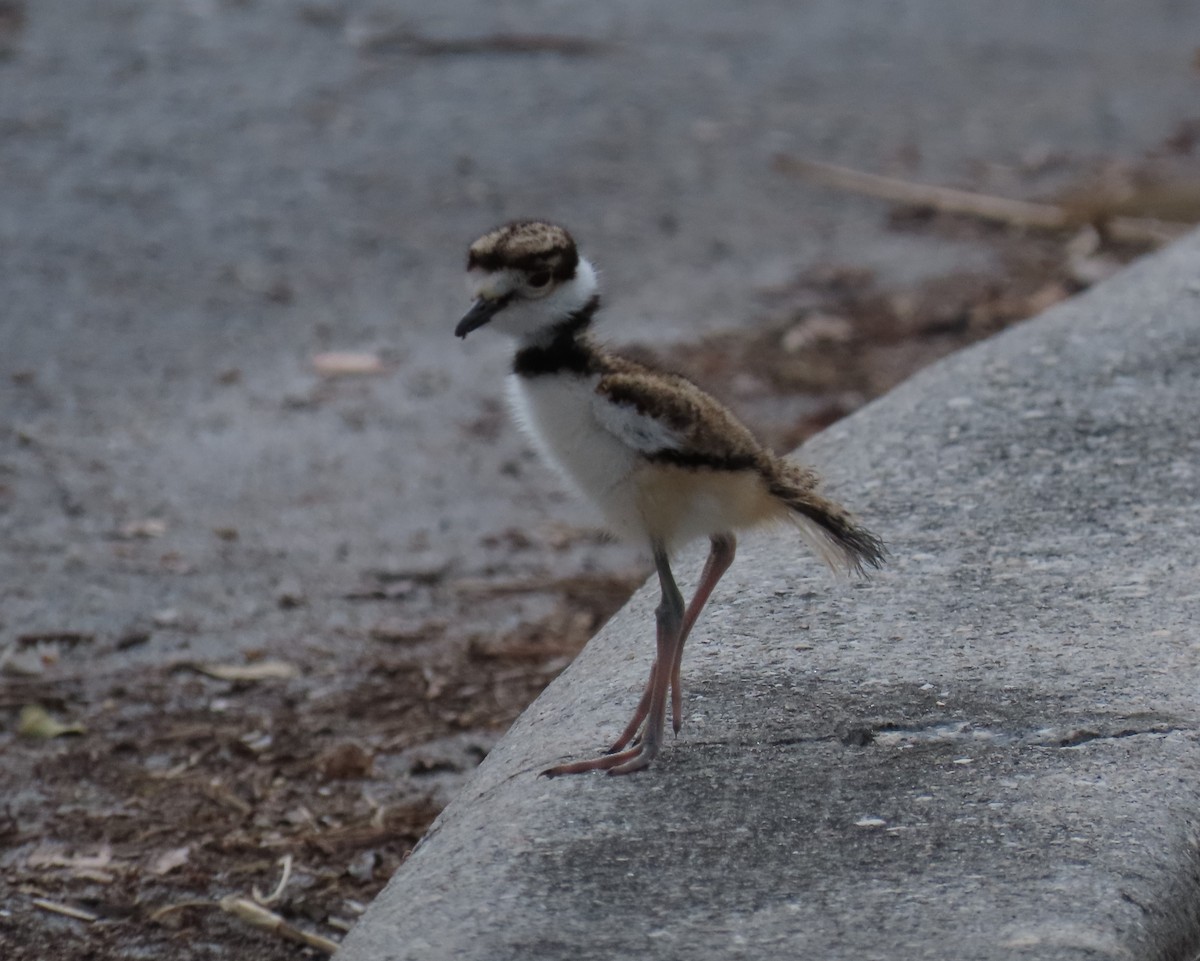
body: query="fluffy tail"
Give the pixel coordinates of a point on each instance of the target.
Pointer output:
(825, 525)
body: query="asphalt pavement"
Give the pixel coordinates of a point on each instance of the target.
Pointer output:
(198, 197)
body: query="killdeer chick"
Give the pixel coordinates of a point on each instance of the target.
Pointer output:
(664, 461)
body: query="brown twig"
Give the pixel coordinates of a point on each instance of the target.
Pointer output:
(1017, 213)
(405, 41)
(31, 638)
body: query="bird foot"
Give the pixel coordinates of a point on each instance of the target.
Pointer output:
(623, 762)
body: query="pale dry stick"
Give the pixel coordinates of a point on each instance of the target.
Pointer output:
(285, 863)
(1017, 213)
(378, 811)
(257, 916)
(56, 907)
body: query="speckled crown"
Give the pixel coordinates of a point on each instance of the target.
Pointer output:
(527, 245)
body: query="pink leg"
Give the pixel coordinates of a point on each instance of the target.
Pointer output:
(670, 616)
(720, 556)
(639, 715)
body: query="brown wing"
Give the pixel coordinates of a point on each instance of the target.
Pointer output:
(669, 418)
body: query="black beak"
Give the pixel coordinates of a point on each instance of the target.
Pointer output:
(480, 313)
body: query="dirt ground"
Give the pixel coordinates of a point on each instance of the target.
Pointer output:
(174, 795)
(211, 799)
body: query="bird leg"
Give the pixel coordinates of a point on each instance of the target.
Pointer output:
(720, 556)
(670, 619)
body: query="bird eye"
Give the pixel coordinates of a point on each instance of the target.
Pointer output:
(539, 279)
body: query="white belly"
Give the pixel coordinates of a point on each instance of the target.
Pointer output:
(556, 412)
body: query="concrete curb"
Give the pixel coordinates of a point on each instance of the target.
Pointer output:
(989, 751)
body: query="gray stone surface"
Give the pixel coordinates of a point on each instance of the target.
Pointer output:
(988, 751)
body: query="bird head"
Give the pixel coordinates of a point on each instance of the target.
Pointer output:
(526, 279)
